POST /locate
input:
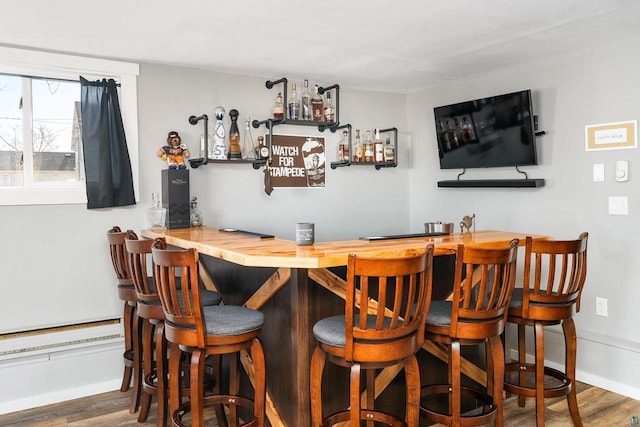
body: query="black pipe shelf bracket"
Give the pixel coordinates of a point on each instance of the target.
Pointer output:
(377, 165)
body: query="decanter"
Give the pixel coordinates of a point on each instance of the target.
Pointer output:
(196, 216)
(156, 214)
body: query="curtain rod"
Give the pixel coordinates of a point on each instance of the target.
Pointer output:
(49, 78)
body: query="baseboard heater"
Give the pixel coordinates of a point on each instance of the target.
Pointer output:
(47, 340)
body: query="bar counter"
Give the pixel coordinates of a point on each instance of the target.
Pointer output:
(295, 286)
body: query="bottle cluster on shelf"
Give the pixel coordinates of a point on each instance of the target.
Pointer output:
(310, 106)
(367, 151)
(230, 146)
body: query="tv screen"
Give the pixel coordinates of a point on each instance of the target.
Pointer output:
(490, 132)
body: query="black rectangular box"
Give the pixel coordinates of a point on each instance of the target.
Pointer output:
(176, 198)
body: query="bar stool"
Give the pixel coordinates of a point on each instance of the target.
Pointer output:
(483, 284)
(371, 336)
(154, 347)
(132, 357)
(206, 331)
(554, 276)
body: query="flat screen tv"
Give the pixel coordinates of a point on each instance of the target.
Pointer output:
(497, 131)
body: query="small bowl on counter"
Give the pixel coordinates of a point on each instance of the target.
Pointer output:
(438, 227)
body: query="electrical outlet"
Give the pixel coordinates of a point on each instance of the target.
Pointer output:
(601, 306)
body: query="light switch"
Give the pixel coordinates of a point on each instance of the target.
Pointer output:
(598, 172)
(618, 206)
(622, 171)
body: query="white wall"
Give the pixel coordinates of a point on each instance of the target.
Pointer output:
(587, 87)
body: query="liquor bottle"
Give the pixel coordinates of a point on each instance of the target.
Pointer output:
(219, 148)
(249, 150)
(307, 113)
(263, 150)
(235, 152)
(358, 149)
(343, 147)
(317, 106)
(195, 217)
(369, 150)
(278, 108)
(294, 104)
(378, 148)
(389, 151)
(156, 214)
(329, 111)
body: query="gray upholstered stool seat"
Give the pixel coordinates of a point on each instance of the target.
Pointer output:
(231, 320)
(332, 330)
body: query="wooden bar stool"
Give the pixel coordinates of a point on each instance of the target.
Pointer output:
(154, 346)
(483, 285)
(206, 331)
(132, 357)
(554, 275)
(386, 305)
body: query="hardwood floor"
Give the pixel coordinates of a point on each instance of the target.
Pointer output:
(597, 407)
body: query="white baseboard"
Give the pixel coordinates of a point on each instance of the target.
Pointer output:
(59, 396)
(616, 349)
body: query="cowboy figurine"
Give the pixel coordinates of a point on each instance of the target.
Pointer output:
(174, 152)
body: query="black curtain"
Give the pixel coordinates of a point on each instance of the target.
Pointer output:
(106, 158)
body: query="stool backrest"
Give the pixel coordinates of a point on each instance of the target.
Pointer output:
(175, 273)
(554, 276)
(139, 258)
(483, 285)
(116, 238)
(386, 305)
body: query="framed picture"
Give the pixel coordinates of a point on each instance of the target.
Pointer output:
(611, 136)
(297, 161)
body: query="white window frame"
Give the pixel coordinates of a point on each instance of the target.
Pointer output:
(69, 67)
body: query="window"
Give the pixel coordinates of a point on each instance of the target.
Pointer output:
(40, 143)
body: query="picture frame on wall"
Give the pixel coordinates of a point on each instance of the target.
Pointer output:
(611, 136)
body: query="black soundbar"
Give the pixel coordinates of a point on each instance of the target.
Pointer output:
(486, 183)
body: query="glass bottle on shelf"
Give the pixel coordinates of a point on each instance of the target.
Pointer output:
(294, 104)
(389, 151)
(369, 153)
(235, 152)
(343, 147)
(195, 218)
(249, 150)
(378, 148)
(317, 106)
(278, 108)
(218, 148)
(358, 149)
(263, 150)
(306, 102)
(329, 111)
(156, 214)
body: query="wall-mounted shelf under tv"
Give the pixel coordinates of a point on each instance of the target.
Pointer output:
(488, 183)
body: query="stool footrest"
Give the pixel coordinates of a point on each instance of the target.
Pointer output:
(560, 390)
(365, 415)
(487, 415)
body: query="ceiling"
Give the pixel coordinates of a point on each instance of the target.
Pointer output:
(385, 45)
